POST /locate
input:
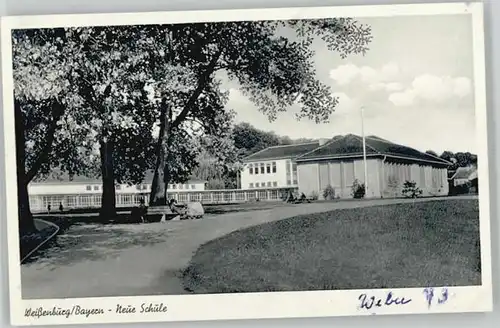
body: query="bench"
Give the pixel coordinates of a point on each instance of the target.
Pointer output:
(192, 210)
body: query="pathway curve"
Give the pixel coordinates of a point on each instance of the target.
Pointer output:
(135, 260)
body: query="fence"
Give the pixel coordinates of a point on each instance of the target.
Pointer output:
(39, 203)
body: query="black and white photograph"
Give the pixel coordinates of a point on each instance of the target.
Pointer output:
(236, 164)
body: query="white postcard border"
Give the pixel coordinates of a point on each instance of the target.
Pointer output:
(248, 305)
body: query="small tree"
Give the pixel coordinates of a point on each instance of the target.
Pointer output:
(410, 189)
(329, 193)
(358, 189)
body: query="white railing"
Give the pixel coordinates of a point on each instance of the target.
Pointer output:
(40, 203)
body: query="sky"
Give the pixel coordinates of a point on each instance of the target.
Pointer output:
(415, 84)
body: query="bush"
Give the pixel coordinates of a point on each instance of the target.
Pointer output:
(314, 195)
(329, 193)
(358, 189)
(410, 189)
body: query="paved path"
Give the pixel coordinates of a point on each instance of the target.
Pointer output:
(145, 259)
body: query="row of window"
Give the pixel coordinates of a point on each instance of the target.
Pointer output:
(263, 184)
(147, 187)
(181, 186)
(262, 168)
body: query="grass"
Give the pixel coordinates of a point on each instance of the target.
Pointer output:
(394, 246)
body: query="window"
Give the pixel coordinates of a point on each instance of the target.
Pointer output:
(288, 173)
(294, 167)
(262, 168)
(250, 185)
(138, 187)
(71, 201)
(193, 186)
(89, 188)
(250, 168)
(269, 183)
(181, 186)
(96, 187)
(257, 185)
(256, 170)
(174, 186)
(275, 183)
(295, 182)
(268, 168)
(186, 186)
(274, 167)
(118, 187)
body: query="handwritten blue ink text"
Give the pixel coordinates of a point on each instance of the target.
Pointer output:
(369, 302)
(430, 296)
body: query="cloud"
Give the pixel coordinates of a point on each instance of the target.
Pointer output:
(432, 88)
(394, 86)
(344, 74)
(390, 87)
(403, 99)
(345, 104)
(348, 73)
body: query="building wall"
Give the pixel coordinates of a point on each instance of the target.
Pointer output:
(373, 167)
(315, 177)
(384, 179)
(283, 177)
(308, 179)
(433, 181)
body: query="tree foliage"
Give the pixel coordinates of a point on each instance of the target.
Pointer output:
(273, 71)
(88, 99)
(459, 159)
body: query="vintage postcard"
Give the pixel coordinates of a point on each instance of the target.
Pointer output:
(242, 164)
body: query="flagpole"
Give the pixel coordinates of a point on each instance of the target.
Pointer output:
(364, 148)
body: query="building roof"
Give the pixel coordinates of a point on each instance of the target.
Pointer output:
(465, 173)
(352, 146)
(282, 152)
(58, 177)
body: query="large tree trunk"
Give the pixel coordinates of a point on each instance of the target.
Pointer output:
(26, 223)
(25, 175)
(108, 202)
(161, 176)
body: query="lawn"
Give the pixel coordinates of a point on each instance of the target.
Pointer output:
(433, 243)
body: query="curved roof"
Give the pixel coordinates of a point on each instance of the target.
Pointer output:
(352, 146)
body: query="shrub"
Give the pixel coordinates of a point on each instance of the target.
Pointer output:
(314, 195)
(329, 193)
(410, 189)
(358, 189)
